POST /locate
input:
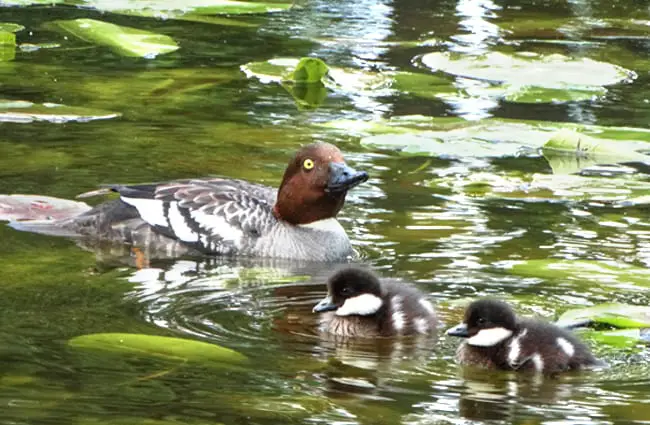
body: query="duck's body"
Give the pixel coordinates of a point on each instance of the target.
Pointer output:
(219, 216)
(360, 305)
(497, 339)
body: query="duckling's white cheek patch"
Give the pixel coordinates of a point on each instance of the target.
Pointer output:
(361, 305)
(489, 337)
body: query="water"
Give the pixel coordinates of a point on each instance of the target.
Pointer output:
(193, 113)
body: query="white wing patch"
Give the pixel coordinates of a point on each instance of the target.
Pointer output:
(151, 210)
(566, 346)
(179, 225)
(398, 315)
(489, 337)
(361, 305)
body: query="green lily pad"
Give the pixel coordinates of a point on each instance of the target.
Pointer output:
(532, 94)
(582, 145)
(25, 112)
(29, 2)
(617, 315)
(528, 69)
(309, 70)
(7, 46)
(173, 10)
(10, 27)
(619, 338)
(125, 41)
(159, 346)
(619, 275)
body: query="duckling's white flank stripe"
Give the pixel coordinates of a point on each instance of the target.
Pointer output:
(421, 325)
(566, 346)
(398, 315)
(151, 210)
(538, 362)
(489, 337)
(361, 305)
(426, 305)
(515, 349)
(179, 225)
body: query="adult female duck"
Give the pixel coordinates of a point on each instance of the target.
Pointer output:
(214, 216)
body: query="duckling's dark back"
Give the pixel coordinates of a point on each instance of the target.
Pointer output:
(407, 311)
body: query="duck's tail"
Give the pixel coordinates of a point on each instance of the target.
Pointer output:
(40, 214)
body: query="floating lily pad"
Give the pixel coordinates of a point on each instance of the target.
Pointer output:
(530, 77)
(620, 338)
(10, 27)
(617, 315)
(36, 207)
(125, 41)
(159, 346)
(173, 10)
(570, 141)
(309, 70)
(528, 69)
(28, 2)
(619, 275)
(7, 46)
(25, 112)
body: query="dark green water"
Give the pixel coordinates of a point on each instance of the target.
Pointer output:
(194, 113)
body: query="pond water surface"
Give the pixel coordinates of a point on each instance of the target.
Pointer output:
(452, 223)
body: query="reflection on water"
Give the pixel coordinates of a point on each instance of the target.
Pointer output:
(452, 225)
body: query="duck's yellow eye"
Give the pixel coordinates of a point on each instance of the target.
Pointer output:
(308, 164)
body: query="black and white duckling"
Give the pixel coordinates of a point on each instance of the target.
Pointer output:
(358, 304)
(497, 339)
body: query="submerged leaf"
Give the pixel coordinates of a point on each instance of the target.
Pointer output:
(618, 315)
(158, 346)
(25, 112)
(126, 41)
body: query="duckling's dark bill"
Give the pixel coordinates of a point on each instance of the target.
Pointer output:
(458, 330)
(344, 177)
(324, 305)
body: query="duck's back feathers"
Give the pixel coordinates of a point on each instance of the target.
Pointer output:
(216, 216)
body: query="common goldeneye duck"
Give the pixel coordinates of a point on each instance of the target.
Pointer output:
(497, 339)
(219, 216)
(359, 304)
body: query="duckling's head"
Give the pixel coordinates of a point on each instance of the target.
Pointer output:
(487, 323)
(352, 291)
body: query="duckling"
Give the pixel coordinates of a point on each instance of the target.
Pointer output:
(358, 304)
(497, 339)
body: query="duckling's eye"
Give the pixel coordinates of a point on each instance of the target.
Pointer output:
(346, 291)
(481, 321)
(308, 164)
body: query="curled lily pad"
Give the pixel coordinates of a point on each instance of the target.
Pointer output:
(159, 346)
(617, 315)
(620, 338)
(309, 70)
(125, 41)
(25, 112)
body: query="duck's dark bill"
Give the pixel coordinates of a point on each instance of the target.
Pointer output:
(326, 304)
(343, 178)
(459, 330)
